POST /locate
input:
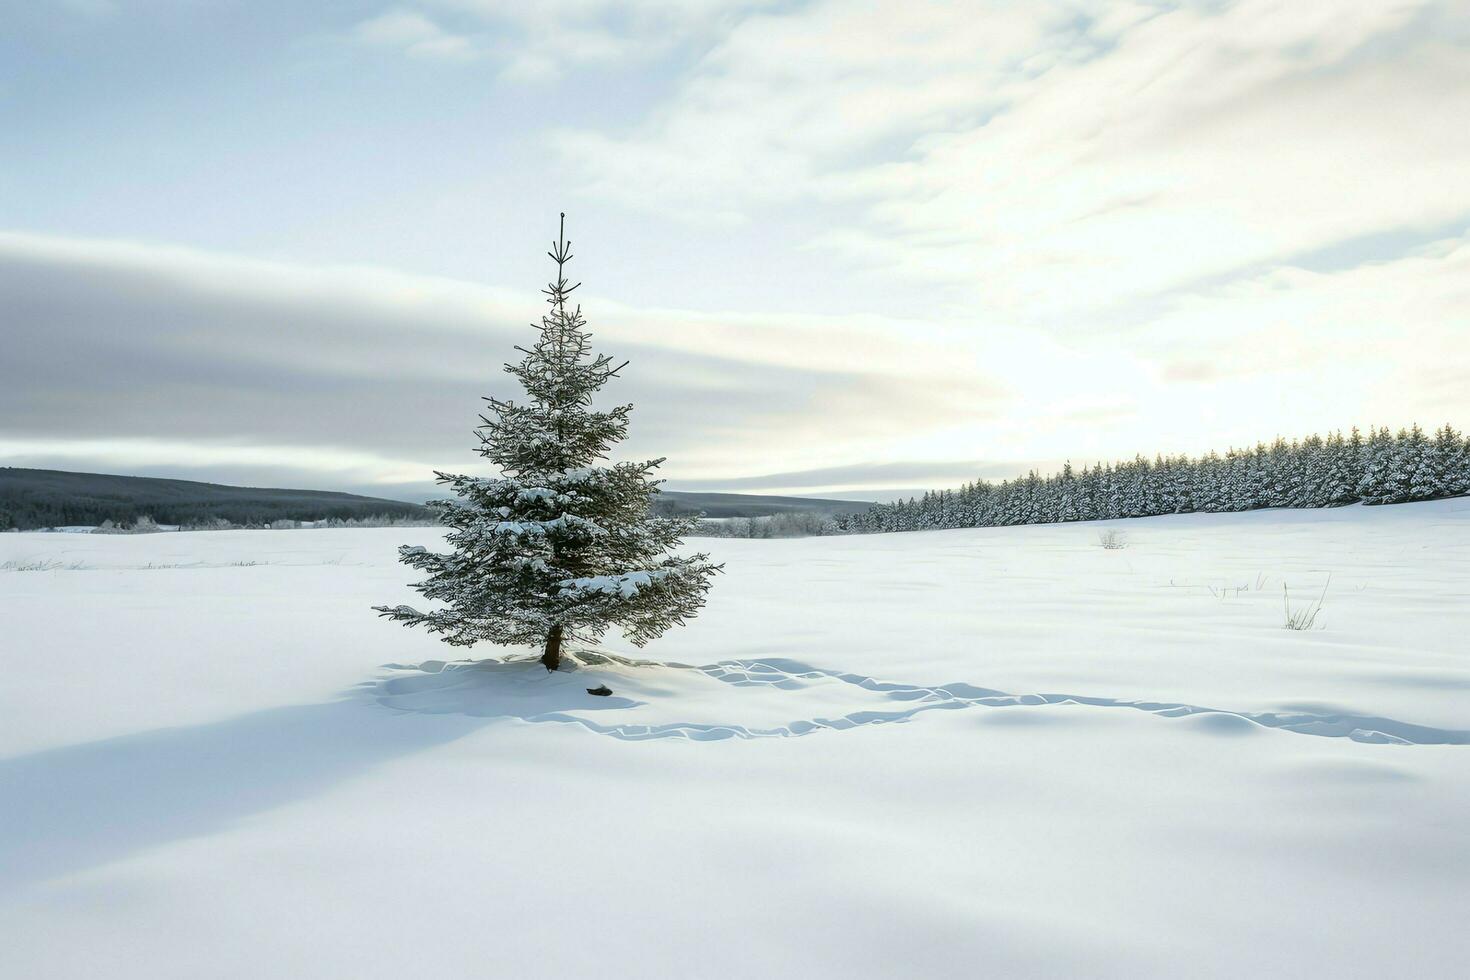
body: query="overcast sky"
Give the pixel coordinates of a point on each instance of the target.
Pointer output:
(847, 246)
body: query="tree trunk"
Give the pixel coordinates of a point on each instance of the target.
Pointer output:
(551, 659)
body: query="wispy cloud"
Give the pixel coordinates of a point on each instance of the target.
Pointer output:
(539, 42)
(789, 101)
(856, 477)
(1062, 160)
(415, 35)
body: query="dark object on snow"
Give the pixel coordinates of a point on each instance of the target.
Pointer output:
(601, 690)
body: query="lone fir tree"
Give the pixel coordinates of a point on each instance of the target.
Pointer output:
(559, 548)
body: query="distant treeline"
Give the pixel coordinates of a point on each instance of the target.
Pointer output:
(1382, 468)
(682, 503)
(792, 524)
(147, 525)
(32, 499)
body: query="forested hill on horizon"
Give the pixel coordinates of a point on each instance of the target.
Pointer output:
(32, 498)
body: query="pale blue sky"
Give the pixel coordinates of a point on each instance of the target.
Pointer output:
(848, 245)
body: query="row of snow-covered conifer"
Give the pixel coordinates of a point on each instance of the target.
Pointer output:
(1381, 468)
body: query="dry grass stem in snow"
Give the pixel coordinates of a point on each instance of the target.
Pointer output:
(1304, 618)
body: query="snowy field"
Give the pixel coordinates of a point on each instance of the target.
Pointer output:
(1005, 752)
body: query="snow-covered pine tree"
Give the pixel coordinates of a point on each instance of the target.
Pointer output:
(557, 549)
(1066, 495)
(1346, 468)
(1451, 458)
(1312, 466)
(1375, 459)
(1427, 480)
(1401, 459)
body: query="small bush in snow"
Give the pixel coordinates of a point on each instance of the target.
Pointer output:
(142, 525)
(210, 524)
(1112, 540)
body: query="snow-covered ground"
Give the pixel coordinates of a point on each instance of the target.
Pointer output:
(1004, 752)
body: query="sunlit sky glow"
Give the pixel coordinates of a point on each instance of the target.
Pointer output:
(848, 247)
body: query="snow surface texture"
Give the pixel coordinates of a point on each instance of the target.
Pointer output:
(996, 752)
